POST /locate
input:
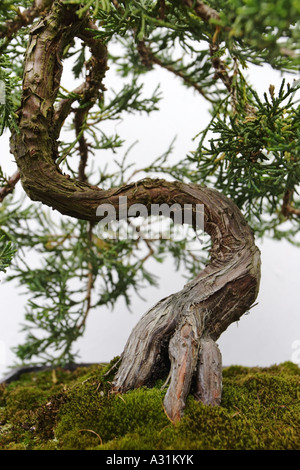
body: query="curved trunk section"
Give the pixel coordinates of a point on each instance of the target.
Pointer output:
(180, 331)
(191, 320)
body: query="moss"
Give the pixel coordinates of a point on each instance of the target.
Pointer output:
(260, 409)
(108, 416)
(28, 407)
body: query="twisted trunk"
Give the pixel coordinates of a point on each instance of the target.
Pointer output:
(190, 321)
(180, 331)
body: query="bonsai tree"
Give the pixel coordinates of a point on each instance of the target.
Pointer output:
(240, 180)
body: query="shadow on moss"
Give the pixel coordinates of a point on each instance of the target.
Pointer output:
(260, 409)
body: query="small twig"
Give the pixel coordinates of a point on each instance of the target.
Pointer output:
(95, 71)
(90, 282)
(79, 119)
(167, 381)
(62, 109)
(116, 5)
(87, 94)
(202, 10)
(113, 367)
(136, 171)
(54, 376)
(147, 242)
(207, 14)
(286, 207)
(150, 252)
(121, 398)
(149, 58)
(25, 18)
(90, 430)
(220, 69)
(162, 9)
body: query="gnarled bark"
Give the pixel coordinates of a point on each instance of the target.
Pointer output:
(180, 331)
(208, 388)
(190, 320)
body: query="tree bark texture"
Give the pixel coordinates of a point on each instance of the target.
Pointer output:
(179, 333)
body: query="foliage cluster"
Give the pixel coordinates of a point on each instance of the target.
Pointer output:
(6, 254)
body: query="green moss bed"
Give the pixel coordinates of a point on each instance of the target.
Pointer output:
(63, 410)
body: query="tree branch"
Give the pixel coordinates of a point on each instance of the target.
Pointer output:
(202, 10)
(96, 68)
(9, 186)
(90, 283)
(25, 18)
(148, 59)
(287, 209)
(207, 14)
(87, 93)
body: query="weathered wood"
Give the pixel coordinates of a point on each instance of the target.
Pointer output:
(208, 388)
(183, 352)
(171, 334)
(218, 296)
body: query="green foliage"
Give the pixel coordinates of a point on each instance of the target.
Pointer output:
(7, 252)
(7, 247)
(269, 27)
(8, 85)
(253, 154)
(8, 9)
(75, 411)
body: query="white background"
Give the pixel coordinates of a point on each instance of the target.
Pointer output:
(269, 334)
